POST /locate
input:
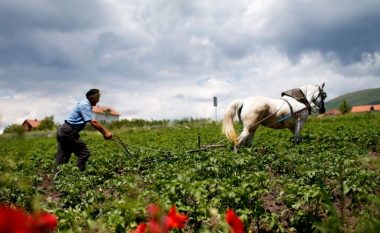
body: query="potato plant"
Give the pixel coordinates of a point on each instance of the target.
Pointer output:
(328, 183)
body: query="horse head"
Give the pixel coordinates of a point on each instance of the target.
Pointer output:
(318, 99)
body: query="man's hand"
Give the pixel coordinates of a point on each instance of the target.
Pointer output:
(108, 135)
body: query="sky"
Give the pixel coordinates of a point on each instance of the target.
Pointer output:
(167, 59)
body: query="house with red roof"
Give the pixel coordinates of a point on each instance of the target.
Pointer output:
(105, 114)
(30, 124)
(365, 108)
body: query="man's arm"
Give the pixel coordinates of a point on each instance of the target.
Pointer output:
(97, 125)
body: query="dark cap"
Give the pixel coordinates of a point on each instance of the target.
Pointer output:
(92, 92)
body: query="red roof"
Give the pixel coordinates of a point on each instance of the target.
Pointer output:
(33, 123)
(105, 110)
(365, 108)
(333, 112)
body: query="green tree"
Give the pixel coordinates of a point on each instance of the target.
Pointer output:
(47, 123)
(14, 128)
(345, 107)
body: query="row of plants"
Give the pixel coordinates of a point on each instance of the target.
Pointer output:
(328, 183)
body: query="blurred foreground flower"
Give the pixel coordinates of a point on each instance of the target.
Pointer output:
(14, 220)
(175, 220)
(141, 228)
(45, 222)
(234, 221)
(161, 224)
(154, 211)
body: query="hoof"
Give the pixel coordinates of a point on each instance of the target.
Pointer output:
(236, 149)
(297, 141)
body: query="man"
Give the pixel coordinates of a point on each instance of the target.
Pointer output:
(68, 134)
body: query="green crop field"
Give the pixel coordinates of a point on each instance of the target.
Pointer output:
(328, 183)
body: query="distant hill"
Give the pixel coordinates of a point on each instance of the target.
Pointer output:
(363, 97)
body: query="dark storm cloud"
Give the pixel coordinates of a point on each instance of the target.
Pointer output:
(348, 31)
(43, 43)
(70, 15)
(345, 29)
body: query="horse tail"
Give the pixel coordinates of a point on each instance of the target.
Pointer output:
(228, 120)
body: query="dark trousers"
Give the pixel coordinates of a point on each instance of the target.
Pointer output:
(68, 143)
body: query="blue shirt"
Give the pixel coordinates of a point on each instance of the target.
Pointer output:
(80, 115)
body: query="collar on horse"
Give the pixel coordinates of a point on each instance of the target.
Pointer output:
(298, 95)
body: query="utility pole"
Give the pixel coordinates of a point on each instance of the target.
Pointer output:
(215, 106)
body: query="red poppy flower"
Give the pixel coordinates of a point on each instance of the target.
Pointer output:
(141, 228)
(174, 219)
(14, 220)
(234, 221)
(46, 222)
(159, 223)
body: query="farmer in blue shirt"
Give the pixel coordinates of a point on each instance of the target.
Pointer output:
(68, 134)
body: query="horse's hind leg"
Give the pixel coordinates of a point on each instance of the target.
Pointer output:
(246, 137)
(241, 139)
(250, 122)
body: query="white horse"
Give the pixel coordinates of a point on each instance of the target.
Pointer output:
(290, 111)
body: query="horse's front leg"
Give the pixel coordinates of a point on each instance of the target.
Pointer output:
(249, 140)
(297, 130)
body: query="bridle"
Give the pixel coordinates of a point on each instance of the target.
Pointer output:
(321, 94)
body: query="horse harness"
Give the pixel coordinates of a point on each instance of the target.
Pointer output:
(298, 95)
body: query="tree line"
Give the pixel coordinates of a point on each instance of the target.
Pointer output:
(48, 124)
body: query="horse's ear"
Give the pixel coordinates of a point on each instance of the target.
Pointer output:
(323, 85)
